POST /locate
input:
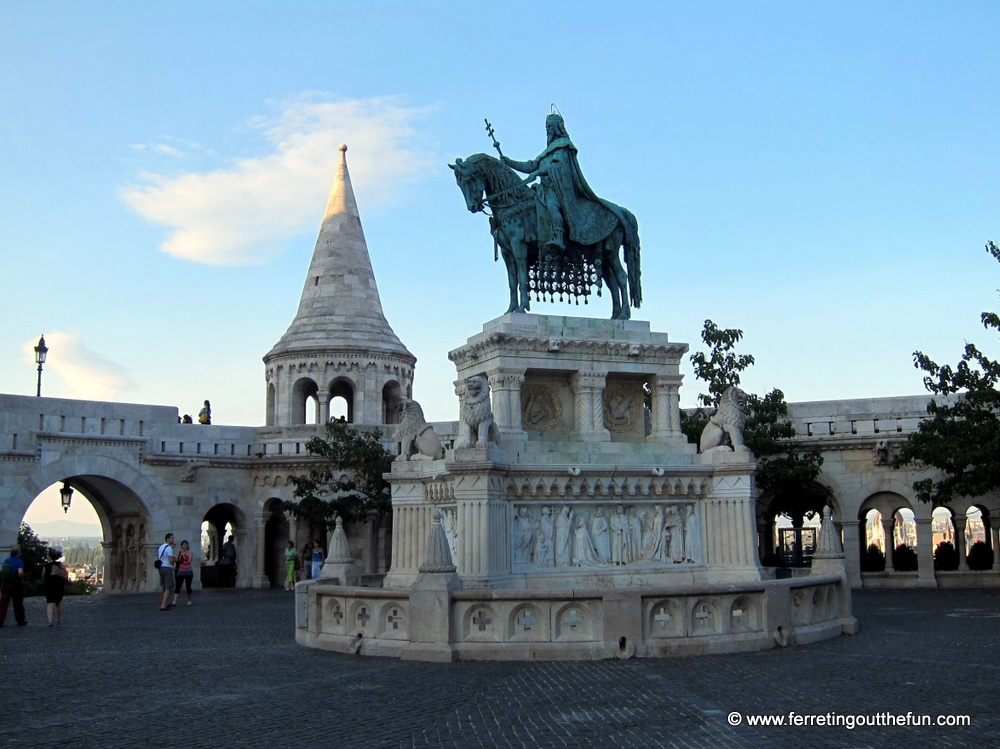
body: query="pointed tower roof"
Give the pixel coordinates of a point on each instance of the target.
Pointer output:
(340, 309)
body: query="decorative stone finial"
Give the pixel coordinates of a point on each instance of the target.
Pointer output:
(343, 148)
(340, 551)
(828, 546)
(438, 556)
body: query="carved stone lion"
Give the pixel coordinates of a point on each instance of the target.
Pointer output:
(724, 431)
(417, 437)
(476, 427)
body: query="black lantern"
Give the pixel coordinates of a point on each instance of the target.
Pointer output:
(66, 496)
(41, 350)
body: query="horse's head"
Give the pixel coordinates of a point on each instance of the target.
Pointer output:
(473, 186)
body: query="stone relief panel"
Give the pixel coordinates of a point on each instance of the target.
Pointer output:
(604, 536)
(541, 408)
(623, 408)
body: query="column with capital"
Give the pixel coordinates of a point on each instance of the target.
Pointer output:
(960, 522)
(323, 398)
(588, 392)
(505, 386)
(666, 409)
(260, 579)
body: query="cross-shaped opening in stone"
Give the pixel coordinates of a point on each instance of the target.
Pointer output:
(662, 617)
(573, 619)
(336, 614)
(704, 617)
(481, 620)
(363, 616)
(394, 619)
(526, 620)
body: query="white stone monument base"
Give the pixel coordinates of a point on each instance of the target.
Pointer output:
(574, 625)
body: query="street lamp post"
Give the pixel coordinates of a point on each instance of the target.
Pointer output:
(66, 496)
(41, 350)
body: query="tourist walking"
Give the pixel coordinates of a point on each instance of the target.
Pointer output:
(228, 563)
(185, 571)
(54, 579)
(290, 556)
(12, 586)
(165, 562)
(317, 560)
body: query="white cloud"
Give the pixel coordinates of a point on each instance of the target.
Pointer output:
(235, 215)
(83, 374)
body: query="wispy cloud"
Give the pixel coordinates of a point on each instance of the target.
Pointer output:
(82, 373)
(235, 215)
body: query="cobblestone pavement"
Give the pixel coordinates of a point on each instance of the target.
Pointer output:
(227, 672)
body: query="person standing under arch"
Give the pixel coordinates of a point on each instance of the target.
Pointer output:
(12, 587)
(54, 579)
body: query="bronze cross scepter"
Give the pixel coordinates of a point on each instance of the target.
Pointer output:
(489, 131)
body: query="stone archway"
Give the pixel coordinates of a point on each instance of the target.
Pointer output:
(128, 505)
(277, 531)
(220, 522)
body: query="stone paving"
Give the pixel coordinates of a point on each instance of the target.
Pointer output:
(227, 672)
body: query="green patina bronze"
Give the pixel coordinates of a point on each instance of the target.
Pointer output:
(557, 237)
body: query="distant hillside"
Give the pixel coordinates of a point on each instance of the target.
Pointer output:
(65, 529)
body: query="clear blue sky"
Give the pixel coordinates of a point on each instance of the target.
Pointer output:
(821, 175)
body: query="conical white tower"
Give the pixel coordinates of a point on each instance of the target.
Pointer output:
(339, 345)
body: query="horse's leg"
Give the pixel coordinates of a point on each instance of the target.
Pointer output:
(519, 248)
(612, 267)
(611, 280)
(511, 263)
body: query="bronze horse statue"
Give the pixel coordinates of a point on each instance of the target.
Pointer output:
(533, 265)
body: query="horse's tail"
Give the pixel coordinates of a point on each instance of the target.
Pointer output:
(631, 227)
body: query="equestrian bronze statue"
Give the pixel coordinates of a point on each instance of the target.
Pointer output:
(556, 236)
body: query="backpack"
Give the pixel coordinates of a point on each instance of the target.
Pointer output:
(7, 572)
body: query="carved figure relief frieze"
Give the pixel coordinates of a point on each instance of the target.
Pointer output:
(599, 536)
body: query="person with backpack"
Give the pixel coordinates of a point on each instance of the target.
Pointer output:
(54, 579)
(165, 564)
(12, 586)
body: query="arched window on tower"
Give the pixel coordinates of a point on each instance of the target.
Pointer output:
(392, 403)
(305, 404)
(342, 400)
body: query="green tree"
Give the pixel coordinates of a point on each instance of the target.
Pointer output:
(33, 553)
(961, 436)
(347, 481)
(785, 472)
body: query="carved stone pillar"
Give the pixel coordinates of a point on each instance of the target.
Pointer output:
(853, 532)
(260, 579)
(110, 559)
(323, 398)
(925, 552)
(960, 523)
(588, 391)
(666, 410)
(890, 541)
(244, 559)
(505, 387)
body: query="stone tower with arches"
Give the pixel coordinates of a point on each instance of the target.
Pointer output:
(339, 346)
